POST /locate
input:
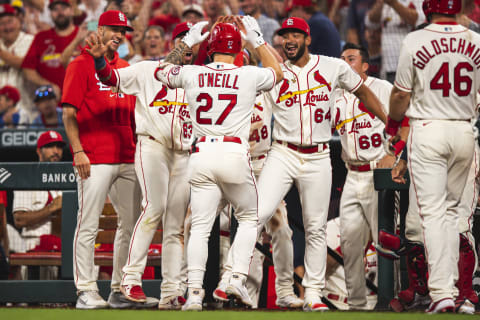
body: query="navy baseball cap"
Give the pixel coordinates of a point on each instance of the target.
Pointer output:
(44, 92)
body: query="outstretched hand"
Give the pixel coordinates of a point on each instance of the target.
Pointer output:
(195, 35)
(96, 48)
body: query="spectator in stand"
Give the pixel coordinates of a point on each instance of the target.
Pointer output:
(325, 37)
(151, 47)
(34, 210)
(268, 26)
(9, 97)
(46, 59)
(193, 13)
(397, 18)
(92, 9)
(47, 104)
(14, 45)
(356, 21)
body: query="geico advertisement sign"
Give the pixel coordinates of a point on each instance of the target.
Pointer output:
(19, 138)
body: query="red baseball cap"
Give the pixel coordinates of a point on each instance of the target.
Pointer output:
(11, 93)
(292, 24)
(114, 18)
(54, 2)
(181, 29)
(6, 9)
(49, 137)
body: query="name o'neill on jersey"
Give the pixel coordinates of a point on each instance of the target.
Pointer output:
(217, 80)
(444, 45)
(311, 98)
(167, 106)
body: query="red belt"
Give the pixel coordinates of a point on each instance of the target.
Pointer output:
(335, 297)
(362, 168)
(224, 139)
(224, 233)
(304, 149)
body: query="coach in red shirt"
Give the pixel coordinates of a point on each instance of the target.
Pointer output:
(45, 60)
(99, 123)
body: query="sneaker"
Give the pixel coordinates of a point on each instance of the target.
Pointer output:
(195, 300)
(314, 304)
(290, 301)
(466, 307)
(441, 306)
(90, 300)
(116, 300)
(237, 289)
(171, 303)
(400, 305)
(133, 293)
(219, 293)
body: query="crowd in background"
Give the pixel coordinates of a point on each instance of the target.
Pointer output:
(38, 38)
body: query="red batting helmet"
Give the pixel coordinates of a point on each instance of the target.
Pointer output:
(224, 38)
(450, 7)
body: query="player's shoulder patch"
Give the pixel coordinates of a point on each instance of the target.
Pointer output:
(176, 70)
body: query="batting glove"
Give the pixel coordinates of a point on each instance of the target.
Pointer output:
(194, 35)
(254, 35)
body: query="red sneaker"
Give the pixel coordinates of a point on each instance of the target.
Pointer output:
(133, 293)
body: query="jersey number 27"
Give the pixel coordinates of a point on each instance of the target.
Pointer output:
(232, 98)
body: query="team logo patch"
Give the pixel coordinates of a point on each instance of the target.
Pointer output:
(53, 135)
(176, 70)
(289, 22)
(121, 16)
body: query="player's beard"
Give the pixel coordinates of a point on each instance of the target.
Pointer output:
(62, 22)
(298, 55)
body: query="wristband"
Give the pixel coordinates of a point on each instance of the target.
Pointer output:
(392, 126)
(100, 63)
(398, 147)
(78, 151)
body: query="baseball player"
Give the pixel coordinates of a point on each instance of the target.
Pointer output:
(221, 97)
(362, 150)
(300, 151)
(99, 126)
(438, 77)
(164, 132)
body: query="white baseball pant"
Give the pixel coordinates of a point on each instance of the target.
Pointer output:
(221, 170)
(162, 173)
(440, 155)
(312, 174)
(119, 182)
(358, 220)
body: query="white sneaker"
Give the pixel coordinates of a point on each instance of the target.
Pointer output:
(90, 300)
(219, 293)
(314, 304)
(171, 303)
(195, 300)
(467, 307)
(290, 301)
(236, 288)
(441, 306)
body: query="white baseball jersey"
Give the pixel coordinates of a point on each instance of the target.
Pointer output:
(360, 131)
(160, 112)
(302, 101)
(260, 133)
(215, 110)
(33, 201)
(440, 64)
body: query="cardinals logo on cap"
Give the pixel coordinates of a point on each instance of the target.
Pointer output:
(290, 22)
(121, 16)
(53, 135)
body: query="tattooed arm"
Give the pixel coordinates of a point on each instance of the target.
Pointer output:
(176, 55)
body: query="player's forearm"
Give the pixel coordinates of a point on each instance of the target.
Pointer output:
(25, 219)
(399, 102)
(67, 53)
(269, 60)
(11, 59)
(71, 127)
(176, 55)
(371, 102)
(408, 15)
(105, 72)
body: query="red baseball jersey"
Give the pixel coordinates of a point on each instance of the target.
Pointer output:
(44, 55)
(105, 118)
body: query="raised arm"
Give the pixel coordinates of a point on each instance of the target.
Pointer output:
(371, 102)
